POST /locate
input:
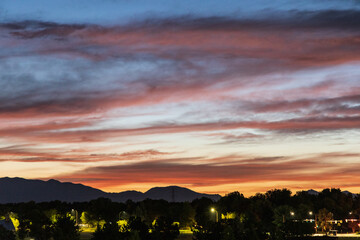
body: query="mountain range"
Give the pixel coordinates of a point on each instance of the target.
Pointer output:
(314, 192)
(15, 190)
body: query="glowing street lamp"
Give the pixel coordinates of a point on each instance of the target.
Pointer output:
(310, 213)
(122, 215)
(292, 213)
(74, 213)
(213, 210)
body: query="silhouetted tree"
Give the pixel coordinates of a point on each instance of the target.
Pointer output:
(323, 219)
(202, 208)
(210, 231)
(164, 229)
(65, 229)
(138, 227)
(109, 231)
(279, 196)
(263, 216)
(6, 234)
(33, 222)
(233, 202)
(104, 209)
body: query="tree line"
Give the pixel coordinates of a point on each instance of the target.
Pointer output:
(276, 214)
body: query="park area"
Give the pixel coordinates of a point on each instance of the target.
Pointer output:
(277, 214)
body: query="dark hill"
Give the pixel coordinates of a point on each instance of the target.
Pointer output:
(14, 190)
(176, 194)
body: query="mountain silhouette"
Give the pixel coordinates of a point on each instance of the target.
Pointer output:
(312, 192)
(14, 190)
(316, 193)
(176, 194)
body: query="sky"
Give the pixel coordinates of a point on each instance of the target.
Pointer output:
(216, 96)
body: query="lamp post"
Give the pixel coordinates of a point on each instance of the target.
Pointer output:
(213, 210)
(311, 215)
(75, 214)
(292, 216)
(122, 215)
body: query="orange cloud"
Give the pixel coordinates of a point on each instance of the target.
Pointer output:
(215, 173)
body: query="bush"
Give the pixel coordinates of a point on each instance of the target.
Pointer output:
(65, 229)
(6, 234)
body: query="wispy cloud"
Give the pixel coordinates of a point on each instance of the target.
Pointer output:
(181, 82)
(214, 173)
(30, 154)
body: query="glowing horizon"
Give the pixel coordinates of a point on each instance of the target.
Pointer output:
(241, 97)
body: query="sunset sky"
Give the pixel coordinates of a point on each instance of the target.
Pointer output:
(216, 96)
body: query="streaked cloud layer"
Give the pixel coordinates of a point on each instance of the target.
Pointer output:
(213, 99)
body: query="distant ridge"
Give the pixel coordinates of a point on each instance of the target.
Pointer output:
(177, 194)
(314, 192)
(352, 194)
(15, 190)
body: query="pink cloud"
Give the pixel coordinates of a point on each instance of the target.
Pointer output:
(213, 173)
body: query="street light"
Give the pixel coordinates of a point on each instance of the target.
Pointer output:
(213, 210)
(311, 213)
(122, 215)
(292, 213)
(74, 213)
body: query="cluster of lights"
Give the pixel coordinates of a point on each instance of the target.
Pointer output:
(293, 213)
(213, 210)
